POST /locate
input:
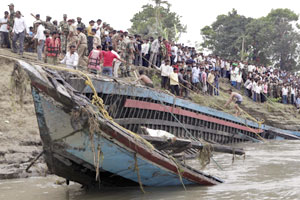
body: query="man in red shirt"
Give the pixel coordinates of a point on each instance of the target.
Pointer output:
(108, 58)
(52, 48)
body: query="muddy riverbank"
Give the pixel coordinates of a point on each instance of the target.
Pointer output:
(19, 135)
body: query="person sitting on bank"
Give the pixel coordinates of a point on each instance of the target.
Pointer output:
(145, 79)
(238, 100)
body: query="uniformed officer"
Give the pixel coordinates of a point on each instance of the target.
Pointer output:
(48, 25)
(81, 46)
(64, 29)
(11, 21)
(127, 55)
(72, 37)
(80, 24)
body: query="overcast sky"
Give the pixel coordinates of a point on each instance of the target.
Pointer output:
(195, 13)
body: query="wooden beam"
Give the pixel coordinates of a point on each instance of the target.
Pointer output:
(158, 107)
(145, 121)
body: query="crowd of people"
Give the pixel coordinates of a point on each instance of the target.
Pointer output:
(102, 49)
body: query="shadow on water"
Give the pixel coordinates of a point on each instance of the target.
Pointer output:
(270, 171)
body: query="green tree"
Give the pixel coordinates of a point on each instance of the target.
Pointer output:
(157, 19)
(225, 36)
(267, 40)
(259, 34)
(285, 39)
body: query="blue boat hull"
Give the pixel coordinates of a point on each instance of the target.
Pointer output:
(63, 148)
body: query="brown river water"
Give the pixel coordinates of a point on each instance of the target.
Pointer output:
(269, 171)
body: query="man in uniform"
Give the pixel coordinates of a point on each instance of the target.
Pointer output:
(56, 29)
(72, 37)
(48, 25)
(81, 46)
(35, 25)
(96, 39)
(11, 20)
(64, 28)
(80, 24)
(127, 55)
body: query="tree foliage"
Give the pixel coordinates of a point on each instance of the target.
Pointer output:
(267, 40)
(157, 19)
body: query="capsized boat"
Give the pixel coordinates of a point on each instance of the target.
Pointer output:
(83, 145)
(134, 106)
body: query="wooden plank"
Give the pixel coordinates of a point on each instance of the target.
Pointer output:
(126, 121)
(180, 145)
(158, 107)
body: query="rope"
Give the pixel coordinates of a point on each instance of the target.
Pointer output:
(96, 100)
(179, 171)
(136, 168)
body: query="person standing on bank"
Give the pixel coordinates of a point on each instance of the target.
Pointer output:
(81, 46)
(40, 37)
(238, 100)
(90, 35)
(52, 48)
(108, 58)
(19, 31)
(4, 31)
(64, 28)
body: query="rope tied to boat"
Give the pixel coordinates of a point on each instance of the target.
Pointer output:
(136, 168)
(18, 84)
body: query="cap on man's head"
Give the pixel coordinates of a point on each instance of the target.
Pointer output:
(37, 15)
(70, 20)
(65, 15)
(79, 29)
(48, 17)
(11, 4)
(79, 18)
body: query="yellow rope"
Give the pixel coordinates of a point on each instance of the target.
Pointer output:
(136, 168)
(96, 100)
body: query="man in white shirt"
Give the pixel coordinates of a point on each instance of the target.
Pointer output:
(71, 58)
(154, 49)
(166, 70)
(174, 50)
(4, 31)
(98, 27)
(40, 37)
(19, 31)
(195, 76)
(145, 53)
(117, 64)
(284, 94)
